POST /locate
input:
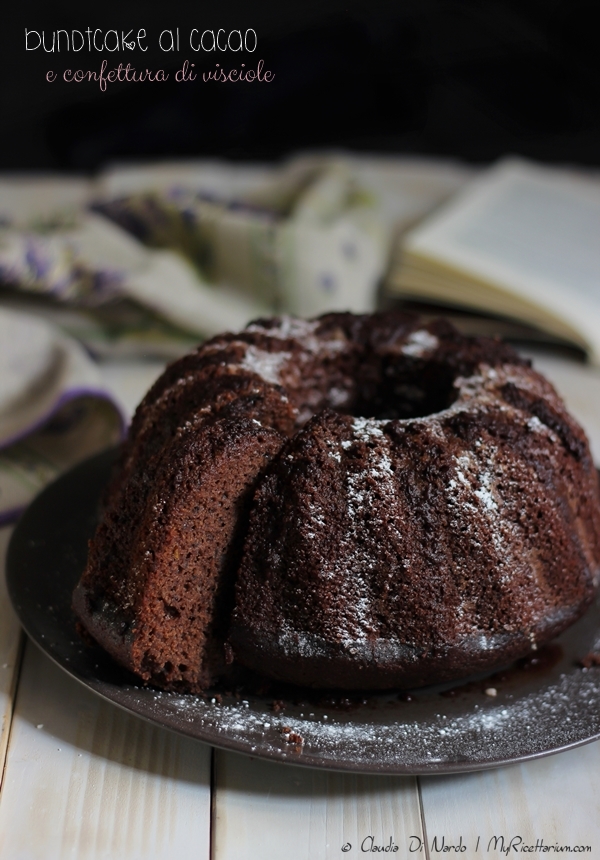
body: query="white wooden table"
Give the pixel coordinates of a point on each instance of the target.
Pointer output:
(83, 779)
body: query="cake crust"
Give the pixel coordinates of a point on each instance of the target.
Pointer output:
(358, 502)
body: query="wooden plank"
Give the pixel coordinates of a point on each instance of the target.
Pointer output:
(129, 381)
(86, 780)
(266, 811)
(555, 799)
(10, 648)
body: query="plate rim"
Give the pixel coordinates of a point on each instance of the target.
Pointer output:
(304, 758)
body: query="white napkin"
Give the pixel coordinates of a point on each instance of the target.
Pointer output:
(177, 251)
(54, 410)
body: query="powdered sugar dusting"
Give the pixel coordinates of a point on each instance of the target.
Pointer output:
(475, 502)
(268, 365)
(484, 491)
(479, 483)
(431, 734)
(287, 327)
(419, 343)
(375, 474)
(338, 397)
(366, 428)
(304, 333)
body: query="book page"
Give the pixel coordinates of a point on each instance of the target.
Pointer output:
(532, 232)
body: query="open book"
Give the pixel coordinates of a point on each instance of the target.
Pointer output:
(519, 241)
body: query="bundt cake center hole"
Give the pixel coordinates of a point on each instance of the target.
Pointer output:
(405, 395)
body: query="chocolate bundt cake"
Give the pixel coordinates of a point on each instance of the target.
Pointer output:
(358, 502)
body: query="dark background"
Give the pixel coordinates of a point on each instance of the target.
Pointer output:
(472, 80)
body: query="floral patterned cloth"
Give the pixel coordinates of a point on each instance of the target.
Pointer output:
(150, 258)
